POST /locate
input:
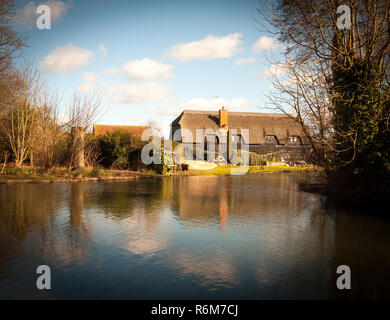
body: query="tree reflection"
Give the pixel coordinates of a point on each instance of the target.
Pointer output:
(79, 242)
(26, 209)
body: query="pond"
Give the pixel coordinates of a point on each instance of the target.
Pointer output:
(190, 237)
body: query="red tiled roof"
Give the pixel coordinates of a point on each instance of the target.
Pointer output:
(101, 129)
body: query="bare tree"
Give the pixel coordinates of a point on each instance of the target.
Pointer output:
(10, 40)
(91, 154)
(48, 131)
(302, 94)
(10, 44)
(18, 126)
(315, 48)
(82, 113)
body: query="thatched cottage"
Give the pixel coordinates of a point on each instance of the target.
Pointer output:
(268, 132)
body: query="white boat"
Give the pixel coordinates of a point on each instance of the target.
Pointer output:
(199, 165)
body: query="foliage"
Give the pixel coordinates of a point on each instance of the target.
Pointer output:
(4, 147)
(118, 149)
(91, 151)
(256, 159)
(87, 172)
(361, 122)
(335, 84)
(166, 160)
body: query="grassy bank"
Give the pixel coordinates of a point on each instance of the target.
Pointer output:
(31, 174)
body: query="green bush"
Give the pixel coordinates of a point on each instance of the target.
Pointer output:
(119, 149)
(95, 172)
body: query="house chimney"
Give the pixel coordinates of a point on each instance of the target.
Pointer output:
(223, 119)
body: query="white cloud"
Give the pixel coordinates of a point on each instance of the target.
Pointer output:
(274, 70)
(131, 93)
(102, 49)
(90, 79)
(86, 86)
(265, 43)
(214, 104)
(90, 76)
(27, 15)
(211, 47)
(241, 61)
(66, 59)
(145, 69)
(169, 99)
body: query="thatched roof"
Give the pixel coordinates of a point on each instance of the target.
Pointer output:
(259, 124)
(101, 129)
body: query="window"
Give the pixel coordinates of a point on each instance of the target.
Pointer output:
(270, 139)
(294, 140)
(236, 138)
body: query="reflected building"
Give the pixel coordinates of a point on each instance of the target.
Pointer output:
(212, 198)
(198, 199)
(223, 206)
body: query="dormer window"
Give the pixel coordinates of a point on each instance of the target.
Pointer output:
(294, 140)
(270, 139)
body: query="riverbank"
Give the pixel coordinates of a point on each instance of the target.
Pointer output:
(232, 170)
(35, 175)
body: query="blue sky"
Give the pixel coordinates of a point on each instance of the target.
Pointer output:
(153, 59)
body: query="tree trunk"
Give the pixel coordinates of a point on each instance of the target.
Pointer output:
(78, 160)
(18, 163)
(31, 159)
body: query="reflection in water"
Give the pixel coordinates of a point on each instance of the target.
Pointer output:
(253, 237)
(223, 206)
(76, 247)
(213, 272)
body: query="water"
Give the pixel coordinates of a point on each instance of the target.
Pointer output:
(196, 237)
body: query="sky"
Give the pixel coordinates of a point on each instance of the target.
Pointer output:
(151, 60)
